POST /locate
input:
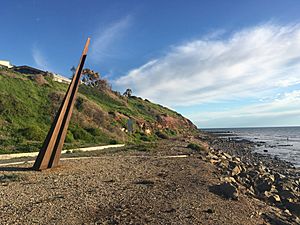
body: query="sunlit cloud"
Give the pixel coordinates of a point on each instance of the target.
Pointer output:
(250, 62)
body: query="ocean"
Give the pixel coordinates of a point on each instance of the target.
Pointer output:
(283, 142)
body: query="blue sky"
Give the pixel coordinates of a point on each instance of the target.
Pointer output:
(220, 63)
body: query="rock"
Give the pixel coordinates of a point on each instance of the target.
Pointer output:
(228, 179)
(236, 170)
(253, 173)
(236, 159)
(233, 164)
(294, 207)
(250, 191)
(223, 164)
(274, 198)
(261, 169)
(226, 190)
(271, 177)
(223, 157)
(286, 194)
(262, 185)
(286, 211)
(209, 211)
(212, 156)
(227, 155)
(213, 161)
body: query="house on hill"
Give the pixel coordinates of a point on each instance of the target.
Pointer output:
(59, 78)
(28, 70)
(5, 64)
(31, 70)
(34, 71)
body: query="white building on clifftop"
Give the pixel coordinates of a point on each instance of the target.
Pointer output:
(4, 63)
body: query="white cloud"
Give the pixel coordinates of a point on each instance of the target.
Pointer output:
(105, 39)
(39, 59)
(275, 112)
(248, 63)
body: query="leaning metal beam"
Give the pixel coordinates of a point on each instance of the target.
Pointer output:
(50, 152)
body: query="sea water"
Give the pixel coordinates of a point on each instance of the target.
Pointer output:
(283, 142)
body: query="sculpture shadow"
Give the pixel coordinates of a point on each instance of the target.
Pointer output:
(14, 169)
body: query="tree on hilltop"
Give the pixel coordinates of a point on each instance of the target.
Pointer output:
(127, 93)
(92, 79)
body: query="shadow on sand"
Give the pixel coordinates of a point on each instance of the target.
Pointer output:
(15, 169)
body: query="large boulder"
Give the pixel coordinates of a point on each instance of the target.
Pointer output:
(226, 190)
(263, 184)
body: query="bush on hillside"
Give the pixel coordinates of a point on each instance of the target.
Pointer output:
(93, 131)
(33, 133)
(81, 134)
(161, 135)
(113, 142)
(195, 147)
(69, 137)
(79, 104)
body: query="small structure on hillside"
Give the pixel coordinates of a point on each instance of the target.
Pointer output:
(58, 78)
(5, 64)
(28, 70)
(31, 70)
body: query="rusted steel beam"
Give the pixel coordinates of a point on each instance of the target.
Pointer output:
(50, 153)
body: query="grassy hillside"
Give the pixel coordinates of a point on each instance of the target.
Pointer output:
(28, 105)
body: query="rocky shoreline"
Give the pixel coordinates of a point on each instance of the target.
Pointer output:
(267, 178)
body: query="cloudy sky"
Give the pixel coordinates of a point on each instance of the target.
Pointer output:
(219, 63)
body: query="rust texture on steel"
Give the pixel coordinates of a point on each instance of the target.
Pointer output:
(50, 152)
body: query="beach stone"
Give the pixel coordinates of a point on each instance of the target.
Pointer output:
(233, 164)
(263, 185)
(227, 190)
(253, 173)
(215, 157)
(236, 159)
(223, 157)
(223, 164)
(261, 170)
(251, 191)
(228, 179)
(286, 194)
(210, 211)
(293, 207)
(236, 170)
(227, 155)
(214, 161)
(274, 198)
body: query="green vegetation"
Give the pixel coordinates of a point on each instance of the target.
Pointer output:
(28, 106)
(195, 147)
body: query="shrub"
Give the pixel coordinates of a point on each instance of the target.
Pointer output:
(195, 147)
(33, 133)
(80, 133)
(79, 104)
(69, 137)
(27, 148)
(145, 138)
(161, 135)
(171, 132)
(93, 131)
(113, 142)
